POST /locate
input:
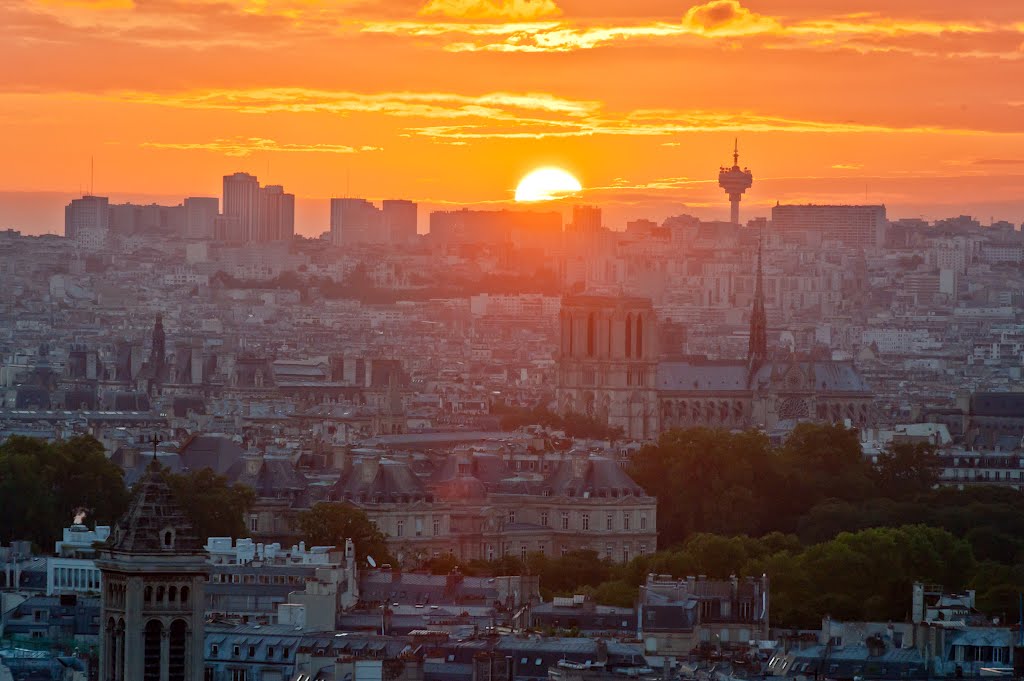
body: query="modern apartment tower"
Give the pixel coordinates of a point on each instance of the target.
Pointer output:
(200, 216)
(86, 213)
(254, 214)
(735, 181)
(358, 221)
(242, 204)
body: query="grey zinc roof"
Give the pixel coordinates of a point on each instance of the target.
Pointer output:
(210, 451)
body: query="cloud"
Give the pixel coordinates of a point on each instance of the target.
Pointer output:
(727, 18)
(847, 166)
(513, 10)
(716, 20)
(456, 118)
(244, 146)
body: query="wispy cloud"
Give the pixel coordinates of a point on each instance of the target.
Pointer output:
(244, 146)
(515, 10)
(715, 19)
(455, 118)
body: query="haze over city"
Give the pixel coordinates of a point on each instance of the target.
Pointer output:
(916, 105)
(511, 340)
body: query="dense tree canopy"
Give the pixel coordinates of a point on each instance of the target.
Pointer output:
(331, 523)
(216, 508)
(43, 484)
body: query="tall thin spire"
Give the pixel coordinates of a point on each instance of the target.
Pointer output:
(736, 152)
(758, 349)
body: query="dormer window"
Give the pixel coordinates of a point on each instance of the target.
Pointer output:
(167, 538)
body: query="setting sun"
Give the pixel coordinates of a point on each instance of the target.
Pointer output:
(546, 184)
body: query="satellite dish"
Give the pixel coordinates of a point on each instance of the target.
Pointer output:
(371, 561)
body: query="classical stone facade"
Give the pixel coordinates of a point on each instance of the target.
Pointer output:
(478, 508)
(152, 609)
(609, 368)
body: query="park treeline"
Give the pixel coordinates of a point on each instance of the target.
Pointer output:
(43, 485)
(835, 533)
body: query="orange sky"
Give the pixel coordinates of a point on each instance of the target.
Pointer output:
(918, 104)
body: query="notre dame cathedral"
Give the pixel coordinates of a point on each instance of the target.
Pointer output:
(610, 368)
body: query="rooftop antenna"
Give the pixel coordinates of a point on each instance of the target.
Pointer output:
(154, 441)
(92, 175)
(736, 151)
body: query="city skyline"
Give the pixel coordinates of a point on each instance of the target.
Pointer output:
(835, 102)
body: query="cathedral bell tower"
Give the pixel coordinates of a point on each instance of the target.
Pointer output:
(608, 362)
(152, 608)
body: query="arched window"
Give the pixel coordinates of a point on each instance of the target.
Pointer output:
(147, 594)
(177, 645)
(172, 594)
(591, 333)
(168, 538)
(629, 335)
(184, 594)
(639, 336)
(151, 651)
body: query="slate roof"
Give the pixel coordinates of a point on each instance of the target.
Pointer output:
(275, 475)
(731, 376)
(391, 482)
(599, 477)
(215, 452)
(151, 512)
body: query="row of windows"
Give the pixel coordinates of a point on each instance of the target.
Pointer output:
(162, 594)
(584, 520)
(225, 578)
(236, 651)
(524, 550)
(418, 523)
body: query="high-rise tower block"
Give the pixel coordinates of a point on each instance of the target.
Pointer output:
(735, 181)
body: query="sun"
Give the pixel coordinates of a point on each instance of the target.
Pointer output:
(547, 184)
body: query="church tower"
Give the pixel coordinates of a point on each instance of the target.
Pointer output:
(608, 362)
(757, 351)
(158, 355)
(152, 608)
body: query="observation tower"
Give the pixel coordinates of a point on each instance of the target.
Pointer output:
(735, 181)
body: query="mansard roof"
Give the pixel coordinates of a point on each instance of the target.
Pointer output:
(591, 477)
(152, 513)
(382, 480)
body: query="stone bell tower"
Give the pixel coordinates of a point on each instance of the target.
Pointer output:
(154, 569)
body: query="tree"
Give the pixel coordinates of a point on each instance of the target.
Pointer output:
(331, 523)
(215, 508)
(43, 484)
(905, 469)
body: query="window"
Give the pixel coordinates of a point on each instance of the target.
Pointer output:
(400, 528)
(238, 675)
(643, 549)
(490, 552)
(284, 653)
(565, 520)
(544, 518)
(511, 517)
(254, 523)
(214, 650)
(643, 521)
(608, 548)
(208, 674)
(236, 651)
(270, 652)
(437, 527)
(522, 551)
(610, 521)
(252, 651)
(585, 521)
(625, 554)
(625, 520)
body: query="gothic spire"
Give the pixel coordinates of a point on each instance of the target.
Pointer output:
(758, 348)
